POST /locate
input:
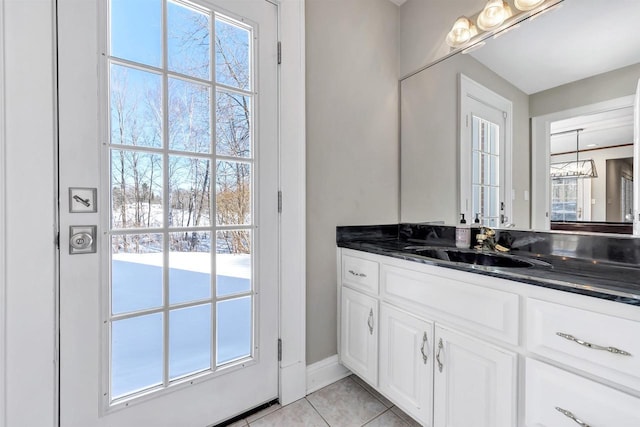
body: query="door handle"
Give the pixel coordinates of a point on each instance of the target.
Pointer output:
(424, 344)
(440, 347)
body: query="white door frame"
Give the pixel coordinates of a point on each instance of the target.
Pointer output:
(3, 270)
(540, 154)
(293, 367)
(471, 90)
(35, 357)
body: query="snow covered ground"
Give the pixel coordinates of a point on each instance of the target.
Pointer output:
(137, 343)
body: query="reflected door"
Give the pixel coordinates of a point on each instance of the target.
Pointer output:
(636, 161)
(173, 320)
(485, 154)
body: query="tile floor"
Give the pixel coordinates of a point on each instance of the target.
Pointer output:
(346, 403)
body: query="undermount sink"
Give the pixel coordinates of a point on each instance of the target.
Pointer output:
(473, 257)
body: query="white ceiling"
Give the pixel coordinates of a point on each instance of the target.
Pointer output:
(398, 2)
(601, 130)
(579, 39)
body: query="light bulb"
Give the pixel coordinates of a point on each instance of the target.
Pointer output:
(461, 32)
(527, 4)
(493, 15)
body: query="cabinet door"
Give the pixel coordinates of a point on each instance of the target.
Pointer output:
(359, 335)
(406, 362)
(474, 382)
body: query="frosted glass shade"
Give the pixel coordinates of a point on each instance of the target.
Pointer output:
(527, 4)
(493, 15)
(462, 31)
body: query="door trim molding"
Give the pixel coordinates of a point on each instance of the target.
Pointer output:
(293, 369)
(324, 372)
(3, 270)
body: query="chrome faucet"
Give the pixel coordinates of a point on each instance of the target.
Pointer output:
(487, 240)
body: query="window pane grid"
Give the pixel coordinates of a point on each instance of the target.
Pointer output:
(564, 199)
(185, 174)
(485, 176)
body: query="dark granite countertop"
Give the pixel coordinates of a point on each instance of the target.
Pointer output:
(599, 266)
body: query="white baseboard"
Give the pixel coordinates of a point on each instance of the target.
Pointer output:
(325, 372)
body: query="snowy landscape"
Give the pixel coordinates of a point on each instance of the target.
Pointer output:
(137, 342)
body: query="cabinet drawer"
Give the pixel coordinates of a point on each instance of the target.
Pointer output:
(360, 273)
(476, 308)
(600, 344)
(596, 405)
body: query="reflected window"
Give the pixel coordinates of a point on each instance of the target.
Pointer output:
(570, 199)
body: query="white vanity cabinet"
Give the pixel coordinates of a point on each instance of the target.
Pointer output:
(457, 349)
(465, 381)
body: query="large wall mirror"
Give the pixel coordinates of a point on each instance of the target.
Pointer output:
(571, 75)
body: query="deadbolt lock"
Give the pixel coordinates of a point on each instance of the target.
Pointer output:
(82, 239)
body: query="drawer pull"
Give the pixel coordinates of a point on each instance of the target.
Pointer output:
(569, 414)
(424, 343)
(440, 346)
(357, 274)
(370, 322)
(593, 346)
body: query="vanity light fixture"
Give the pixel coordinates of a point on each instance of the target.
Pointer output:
(462, 31)
(573, 169)
(496, 18)
(527, 4)
(493, 15)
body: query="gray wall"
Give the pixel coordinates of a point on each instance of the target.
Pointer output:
(603, 87)
(352, 141)
(616, 169)
(429, 149)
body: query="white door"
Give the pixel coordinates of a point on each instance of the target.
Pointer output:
(169, 110)
(636, 161)
(474, 382)
(406, 362)
(485, 154)
(359, 334)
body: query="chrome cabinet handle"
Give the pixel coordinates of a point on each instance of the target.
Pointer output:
(370, 321)
(424, 343)
(593, 346)
(570, 415)
(357, 274)
(440, 346)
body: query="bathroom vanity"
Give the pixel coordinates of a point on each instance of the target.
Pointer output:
(455, 343)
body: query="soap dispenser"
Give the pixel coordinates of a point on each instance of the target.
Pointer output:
(463, 234)
(476, 228)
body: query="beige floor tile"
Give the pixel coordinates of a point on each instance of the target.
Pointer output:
(370, 389)
(346, 403)
(406, 417)
(263, 413)
(387, 419)
(299, 413)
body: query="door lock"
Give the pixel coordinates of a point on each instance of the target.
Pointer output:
(82, 239)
